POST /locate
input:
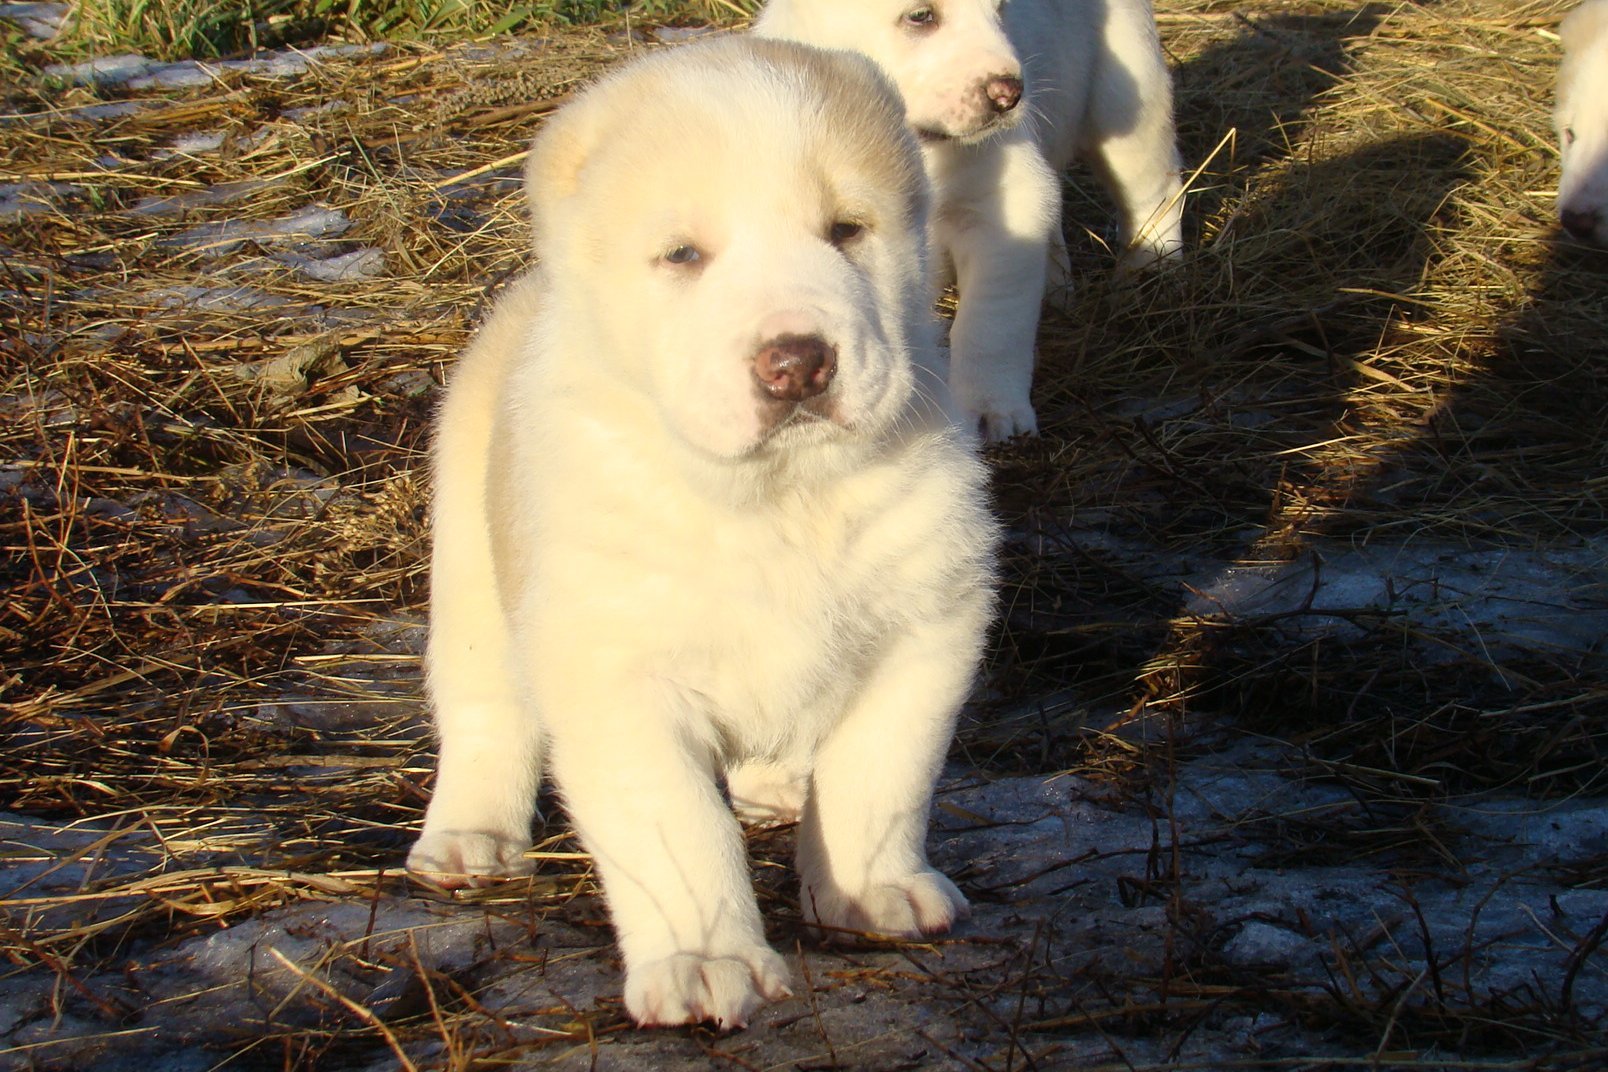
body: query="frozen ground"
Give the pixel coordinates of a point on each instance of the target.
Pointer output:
(1079, 891)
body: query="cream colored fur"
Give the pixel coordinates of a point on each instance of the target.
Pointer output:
(652, 575)
(1096, 88)
(1581, 117)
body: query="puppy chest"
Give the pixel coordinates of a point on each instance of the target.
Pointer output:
(759, 628)
(774, 632)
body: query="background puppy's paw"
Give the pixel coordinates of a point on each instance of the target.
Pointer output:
(1062, 297)
(1144, 256)
(691, 987)
(996, 420)
(457, 858)
(998, 425)
(926, 903)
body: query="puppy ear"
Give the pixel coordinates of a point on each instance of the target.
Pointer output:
(553, 166)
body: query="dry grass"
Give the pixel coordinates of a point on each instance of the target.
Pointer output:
(205, 29)
(213, 578)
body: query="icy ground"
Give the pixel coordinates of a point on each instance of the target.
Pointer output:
(1071, 885)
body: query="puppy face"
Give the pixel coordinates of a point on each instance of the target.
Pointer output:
(744, 238)
(958, 74)
(1582, 121)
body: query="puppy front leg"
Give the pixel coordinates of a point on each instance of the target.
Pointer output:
(997, 228)
(478, 822)
(862, 855)
(641, 791)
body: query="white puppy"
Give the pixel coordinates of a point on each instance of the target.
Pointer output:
(1581, 116)
(1004, 96)
(700, 512)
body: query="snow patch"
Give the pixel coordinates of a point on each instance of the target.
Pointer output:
(43, 21)
(227, 236)
(1553, 600)
(133, 71)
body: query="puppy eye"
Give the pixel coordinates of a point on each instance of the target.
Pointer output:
(922, 18)
(682, 255)
(1568, 135)
(845, 231)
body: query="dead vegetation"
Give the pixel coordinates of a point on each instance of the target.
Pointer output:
(212, 497)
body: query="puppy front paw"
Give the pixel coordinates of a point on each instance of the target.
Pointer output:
(458, 858)
(692, 987)
(921, 905)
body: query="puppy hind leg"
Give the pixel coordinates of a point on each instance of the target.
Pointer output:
(1150, 198)
(998, 234)
(1058, 288)
(764, 792)
(1130, 139)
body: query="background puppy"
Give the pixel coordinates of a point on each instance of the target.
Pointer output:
(700, 512)
(1004, 98)
(1581, 117)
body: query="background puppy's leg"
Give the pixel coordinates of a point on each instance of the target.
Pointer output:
(997, 226)
(1059, 282)
(862, 855)
(1130, 138)
(640, 788)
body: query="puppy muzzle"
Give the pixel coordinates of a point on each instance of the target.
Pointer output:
(1582, 223)
(995, 105)
(793, 376)
(792, 368)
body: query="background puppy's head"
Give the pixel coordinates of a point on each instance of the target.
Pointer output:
(951, 60)
(1581, 116)
(736, 230)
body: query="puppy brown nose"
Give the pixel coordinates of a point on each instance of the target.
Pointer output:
(1580, 222)
(792, 368)
(1004, 92)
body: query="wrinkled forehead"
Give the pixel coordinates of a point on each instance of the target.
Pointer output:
(1583, 84)
(1583, 74)
(756, 140)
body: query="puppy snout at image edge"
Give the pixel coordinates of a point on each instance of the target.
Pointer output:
(1581, 117)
